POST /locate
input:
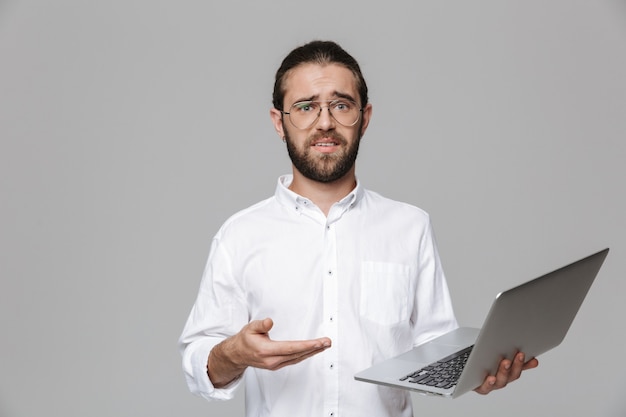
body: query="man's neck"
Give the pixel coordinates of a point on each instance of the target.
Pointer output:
(323, 195)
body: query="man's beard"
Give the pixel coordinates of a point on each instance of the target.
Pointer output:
(321, 167)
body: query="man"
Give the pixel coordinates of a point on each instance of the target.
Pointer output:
(338, 275)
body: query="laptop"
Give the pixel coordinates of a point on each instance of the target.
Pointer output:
(533, 318)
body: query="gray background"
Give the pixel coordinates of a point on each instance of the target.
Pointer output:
(130, 130)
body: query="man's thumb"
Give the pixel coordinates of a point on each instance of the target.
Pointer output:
(261, 326)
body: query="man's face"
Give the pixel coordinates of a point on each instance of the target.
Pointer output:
(325, 151)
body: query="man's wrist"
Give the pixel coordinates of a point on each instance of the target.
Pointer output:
(221, 369)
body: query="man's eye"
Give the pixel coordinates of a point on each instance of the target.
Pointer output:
(304, 107)
(341, 106)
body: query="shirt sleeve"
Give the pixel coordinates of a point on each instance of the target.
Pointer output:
(218, 312)
(433, 313)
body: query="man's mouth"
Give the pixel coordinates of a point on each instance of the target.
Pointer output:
(326, 146)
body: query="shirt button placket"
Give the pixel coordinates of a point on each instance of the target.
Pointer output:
(330, 323)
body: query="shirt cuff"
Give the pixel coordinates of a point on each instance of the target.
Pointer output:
(199, 382)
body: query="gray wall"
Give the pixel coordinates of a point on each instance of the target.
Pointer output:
(131, 129)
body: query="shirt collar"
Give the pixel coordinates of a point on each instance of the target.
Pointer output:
(290, 199)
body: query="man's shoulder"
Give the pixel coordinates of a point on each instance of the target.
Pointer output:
(251, 215)
(377, 201)
(256, 209)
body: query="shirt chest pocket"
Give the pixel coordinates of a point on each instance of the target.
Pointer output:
(385, 291)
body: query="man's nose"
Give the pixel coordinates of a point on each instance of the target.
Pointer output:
(325, 121)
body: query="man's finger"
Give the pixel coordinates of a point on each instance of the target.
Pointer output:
(503, 374)
(517, 367)
(297, 348)
(508, 371)
(533, 363)
(261, 326)
(286, 361)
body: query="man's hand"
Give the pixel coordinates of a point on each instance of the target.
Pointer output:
(508, 371)
(252, 346)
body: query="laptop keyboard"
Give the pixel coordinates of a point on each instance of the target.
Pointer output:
(443, 373)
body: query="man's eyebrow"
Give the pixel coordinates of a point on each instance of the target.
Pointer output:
(344, 95)
(335, 95)
(311, 98)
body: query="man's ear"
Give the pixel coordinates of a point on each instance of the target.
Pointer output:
(277, 121)
(367, 114)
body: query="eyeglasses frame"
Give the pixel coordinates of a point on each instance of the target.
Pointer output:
(328, 102)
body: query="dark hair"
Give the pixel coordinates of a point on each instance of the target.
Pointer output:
(322, 53)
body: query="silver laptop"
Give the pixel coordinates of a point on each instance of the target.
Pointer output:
(531, 318)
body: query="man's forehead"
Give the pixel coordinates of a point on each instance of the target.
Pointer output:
(313, 78)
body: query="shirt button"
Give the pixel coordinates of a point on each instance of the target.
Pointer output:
(332, 366)
(330, 273)
(331, 414)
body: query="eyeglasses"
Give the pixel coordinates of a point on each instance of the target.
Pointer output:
(304, 114)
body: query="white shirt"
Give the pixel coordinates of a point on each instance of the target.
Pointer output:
(368, 276)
